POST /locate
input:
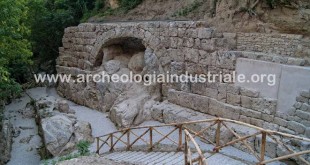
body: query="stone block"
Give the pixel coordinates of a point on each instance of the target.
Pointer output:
(216, 108)
(177, 68)
(257, 122)
(246, 102)
(232, 112)
(305, 107)
(297, 127)
(231, 88)
(211, 92)
(306, 123)
(285, 130)
(200, 103)
(303, 115)
(249, 93)
(245, 119)
(222, 87)
(271, 126)
(222, 96)
(191, 55)
(297, 104)
(305, 94)
(268, 118)
(233, 99)
(307, 132)
(302, 99)
(199, 88)
(280, 121)
(205, 33)
(251, 113)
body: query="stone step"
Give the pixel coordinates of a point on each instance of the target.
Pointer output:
(168, 158)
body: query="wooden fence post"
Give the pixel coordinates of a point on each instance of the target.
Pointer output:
(151, 138)
(186, 150)
(97, 145)
(218, 135)
(128, 139)
(263, 147)
(180, 138)
(112, 148)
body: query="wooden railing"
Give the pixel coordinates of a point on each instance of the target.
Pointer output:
(217, 124)
(189, 160)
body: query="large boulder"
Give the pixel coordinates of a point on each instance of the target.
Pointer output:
(62, 132)
(124, 59)
(57, 131)
(136, 63)
(112, 66)
(133, 106)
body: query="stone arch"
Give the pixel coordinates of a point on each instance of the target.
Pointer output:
(111, 36)
(118, 46)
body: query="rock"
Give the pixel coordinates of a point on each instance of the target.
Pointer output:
(83, 131)
(110, 52)
(16, 132)
(62, 132)
(134, 105)
(123, 59)
(29, 149)
(63, 106)
(57, 131)
(136, 63)
(112, 66)
(26, 140)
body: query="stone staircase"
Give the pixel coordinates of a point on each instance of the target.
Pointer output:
(166, 158)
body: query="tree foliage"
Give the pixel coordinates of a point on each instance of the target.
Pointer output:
(15, 50)
(49, 19)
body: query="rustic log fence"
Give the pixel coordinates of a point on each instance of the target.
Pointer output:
(124, 137)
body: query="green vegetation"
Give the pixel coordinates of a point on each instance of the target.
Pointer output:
(30, 35)
(126, 5)
(101, 10)
(15, 50)
(83, 147)
(188, 9)
(83, 150)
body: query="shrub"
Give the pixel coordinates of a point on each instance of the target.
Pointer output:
(127, 5)
(82, 147)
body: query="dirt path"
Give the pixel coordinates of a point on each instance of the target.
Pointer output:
(25, 139)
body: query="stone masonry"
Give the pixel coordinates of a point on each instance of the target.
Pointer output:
(192, 47)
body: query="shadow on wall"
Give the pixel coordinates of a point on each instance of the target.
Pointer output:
(120, 49)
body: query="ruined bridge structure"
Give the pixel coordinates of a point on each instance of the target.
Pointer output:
(177, 47)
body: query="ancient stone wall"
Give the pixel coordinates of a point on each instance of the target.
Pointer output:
(181, 47)
(283, 44)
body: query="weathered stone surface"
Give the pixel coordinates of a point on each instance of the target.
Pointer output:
(123, 59)
(57, 132)
(295, 126)
(110, 52)
(233, 99)
(136, 63)
(246, 102)
(63, 106)
(280, 121)
(249, 93)
(112, 66)
(134, 105)
(210, 92)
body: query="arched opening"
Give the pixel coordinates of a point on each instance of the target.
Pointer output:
(127, 51)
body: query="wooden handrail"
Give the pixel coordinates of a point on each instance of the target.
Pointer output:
(217, 122)
(201, 158)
